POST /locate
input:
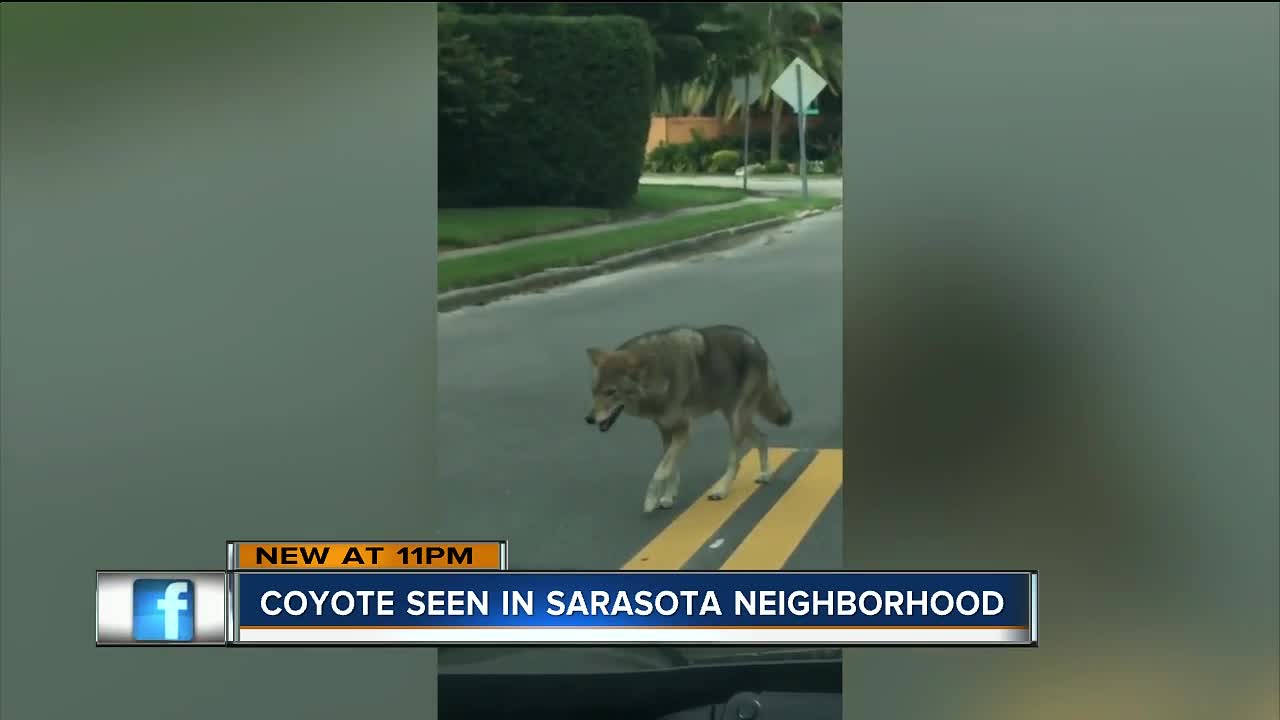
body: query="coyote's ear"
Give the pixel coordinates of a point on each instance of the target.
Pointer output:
(595, 355)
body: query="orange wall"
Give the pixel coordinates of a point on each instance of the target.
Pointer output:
(676, 130)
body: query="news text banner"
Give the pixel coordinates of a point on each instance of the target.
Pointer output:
(747, 608)
(372, 556)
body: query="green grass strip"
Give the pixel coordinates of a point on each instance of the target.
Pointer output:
(510, 263)
(669, 198)
(473, 227)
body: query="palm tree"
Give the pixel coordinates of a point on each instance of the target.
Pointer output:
(778, 33)
(696, 97)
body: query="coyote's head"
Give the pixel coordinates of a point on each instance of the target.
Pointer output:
(618, 379)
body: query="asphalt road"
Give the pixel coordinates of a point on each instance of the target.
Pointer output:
(517, 462)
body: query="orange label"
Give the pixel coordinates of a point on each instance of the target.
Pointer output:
(367, 556)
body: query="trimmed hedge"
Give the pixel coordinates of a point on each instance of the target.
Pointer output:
(577, 136)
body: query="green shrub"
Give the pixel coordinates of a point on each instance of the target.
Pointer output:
(724, 161)
(822, 142)
(662, 158)
(577, 136)
(775, 166)
(701, 149)
(669, 158)
(697, 155)
(835, 161)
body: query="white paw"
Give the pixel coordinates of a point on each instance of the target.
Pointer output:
(650, 504)
(764, 478)
(717, 493)
(666, 501)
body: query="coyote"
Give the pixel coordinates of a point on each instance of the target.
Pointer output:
(676, 375)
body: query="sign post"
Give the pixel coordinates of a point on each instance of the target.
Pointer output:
(799, 85)
(747, 90)
(746, 134)
(801, 115)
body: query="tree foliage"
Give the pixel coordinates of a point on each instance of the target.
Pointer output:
(685, 35)
(776, 33)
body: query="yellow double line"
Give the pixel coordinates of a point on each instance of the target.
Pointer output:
(772, 541)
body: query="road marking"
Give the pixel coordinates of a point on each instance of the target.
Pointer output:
(678, 541)
(772, 541)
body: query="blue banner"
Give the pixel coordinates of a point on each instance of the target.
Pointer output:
(578, 600)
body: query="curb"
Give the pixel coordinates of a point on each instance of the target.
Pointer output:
(547, 279)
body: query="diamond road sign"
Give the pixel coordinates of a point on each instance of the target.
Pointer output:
(752, 90)
(788, 86)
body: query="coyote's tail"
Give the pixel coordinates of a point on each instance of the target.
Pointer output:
(773, 406)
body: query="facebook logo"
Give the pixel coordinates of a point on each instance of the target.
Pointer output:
(163, 610)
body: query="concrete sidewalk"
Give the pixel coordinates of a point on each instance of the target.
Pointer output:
(789, 185)
(599, 227)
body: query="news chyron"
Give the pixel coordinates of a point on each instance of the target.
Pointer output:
(196, 608)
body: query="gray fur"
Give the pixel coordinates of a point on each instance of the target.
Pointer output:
(676, 375)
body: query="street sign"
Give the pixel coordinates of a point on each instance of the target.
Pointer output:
(747, 88)
(798, 85)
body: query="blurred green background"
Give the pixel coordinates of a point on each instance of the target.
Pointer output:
(217, 293)
(1061, 347)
